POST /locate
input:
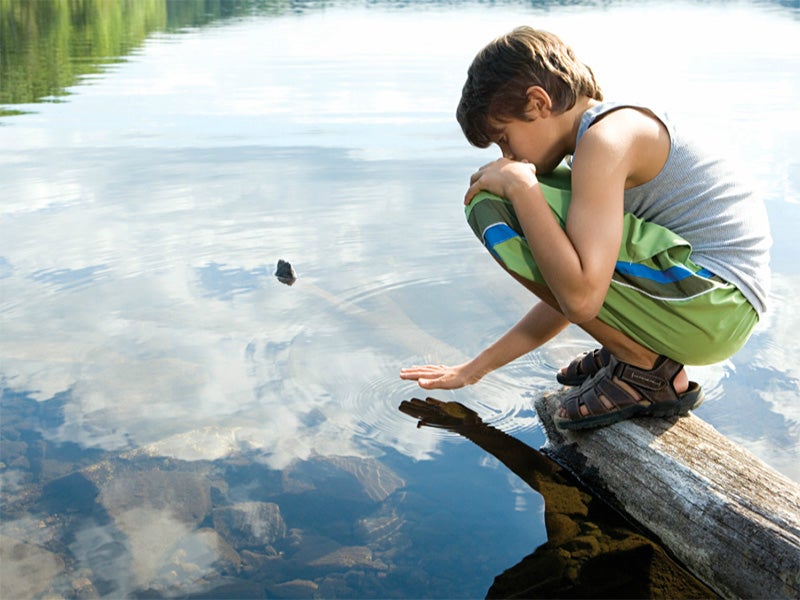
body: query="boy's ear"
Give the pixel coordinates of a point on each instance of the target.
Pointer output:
(539, 103)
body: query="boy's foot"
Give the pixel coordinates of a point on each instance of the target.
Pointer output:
(583, 367)
(620, 391)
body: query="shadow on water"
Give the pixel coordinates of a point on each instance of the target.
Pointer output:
(591, 551)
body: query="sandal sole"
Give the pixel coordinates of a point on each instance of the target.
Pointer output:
(686, 402)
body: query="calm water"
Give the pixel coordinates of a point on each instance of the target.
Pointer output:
(176, 421)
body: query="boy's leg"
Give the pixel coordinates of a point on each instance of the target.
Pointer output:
(659, 302)
(608, 398)
(657, 306)
(620, 345)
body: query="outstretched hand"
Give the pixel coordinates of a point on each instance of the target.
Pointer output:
(438, 377)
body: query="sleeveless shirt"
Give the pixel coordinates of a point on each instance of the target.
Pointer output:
(698, 197)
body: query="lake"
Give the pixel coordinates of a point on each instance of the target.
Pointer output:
(177, 422)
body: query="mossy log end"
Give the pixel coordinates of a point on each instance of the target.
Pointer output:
(731, 519)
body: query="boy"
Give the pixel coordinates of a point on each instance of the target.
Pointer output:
(658, 253)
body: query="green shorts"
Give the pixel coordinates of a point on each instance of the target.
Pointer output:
(657, 297)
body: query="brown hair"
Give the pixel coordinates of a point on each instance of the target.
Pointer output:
(501, 73)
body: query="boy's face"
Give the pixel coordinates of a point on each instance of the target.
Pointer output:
(535, 141)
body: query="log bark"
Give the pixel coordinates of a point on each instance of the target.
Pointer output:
(730, 518)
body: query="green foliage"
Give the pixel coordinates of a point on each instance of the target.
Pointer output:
(47, 46)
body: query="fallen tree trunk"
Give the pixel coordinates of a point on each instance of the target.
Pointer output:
(730, 518)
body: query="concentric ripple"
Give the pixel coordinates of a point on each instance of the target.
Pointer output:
(375, 407)
(504, 399)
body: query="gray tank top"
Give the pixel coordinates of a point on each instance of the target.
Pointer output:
(699, 198)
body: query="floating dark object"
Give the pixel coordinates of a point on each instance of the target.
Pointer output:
(285, 272)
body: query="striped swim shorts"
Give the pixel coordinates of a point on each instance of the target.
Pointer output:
(658, 297)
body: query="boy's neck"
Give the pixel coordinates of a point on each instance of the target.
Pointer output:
(572, 120)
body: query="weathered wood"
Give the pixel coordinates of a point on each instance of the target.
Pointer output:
(730, 518)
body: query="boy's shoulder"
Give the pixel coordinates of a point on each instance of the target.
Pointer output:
(630, 136)
(619, 116)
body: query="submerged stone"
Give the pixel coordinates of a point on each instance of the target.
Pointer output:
(349, 557)
(285, 272)
(297, 588)
(26, 570)
(250, 524)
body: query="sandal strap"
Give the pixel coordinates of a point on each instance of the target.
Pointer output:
(588, 363)
(657, 379)
(589, 396)
(618, 396)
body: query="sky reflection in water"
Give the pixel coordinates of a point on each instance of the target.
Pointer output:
(140, 227)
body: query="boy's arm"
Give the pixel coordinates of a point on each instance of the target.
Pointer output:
(577, 262)
(539, 325)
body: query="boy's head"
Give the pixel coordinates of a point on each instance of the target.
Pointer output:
(501, 74)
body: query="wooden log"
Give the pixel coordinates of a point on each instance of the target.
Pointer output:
(730, 518)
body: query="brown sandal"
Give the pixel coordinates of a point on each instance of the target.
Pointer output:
(657, 396)
(584, 367)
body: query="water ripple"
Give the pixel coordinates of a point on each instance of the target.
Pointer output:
(503, 399)
(375, 407)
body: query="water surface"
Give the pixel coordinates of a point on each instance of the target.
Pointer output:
(175, 420)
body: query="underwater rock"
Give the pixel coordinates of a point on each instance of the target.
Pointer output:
(385, 531)
(82, 587)
(359, 584)
(343, 478)
(250, 524)
(379, 482)
(349, 557)
(297, 588)
(199, 559)
(382, 530)
(232, 589)
(186, 496)
(27, 570)
(285, 272)
(305, 547)
(256, 562)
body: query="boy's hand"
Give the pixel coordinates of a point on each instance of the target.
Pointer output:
(503, 177)
(438, 377)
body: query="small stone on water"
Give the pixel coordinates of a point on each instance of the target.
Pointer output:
(285, 272)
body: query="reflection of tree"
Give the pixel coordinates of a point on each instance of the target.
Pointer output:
(591, 551)
(46, 47)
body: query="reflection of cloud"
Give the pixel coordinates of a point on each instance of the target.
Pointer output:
(760, 408)
(151, 304)
(779, 334)
(101, 550)
(26, 570)
(157, 551)
(783, 325)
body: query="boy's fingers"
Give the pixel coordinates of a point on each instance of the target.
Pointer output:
(415, 372)
(471, 191)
